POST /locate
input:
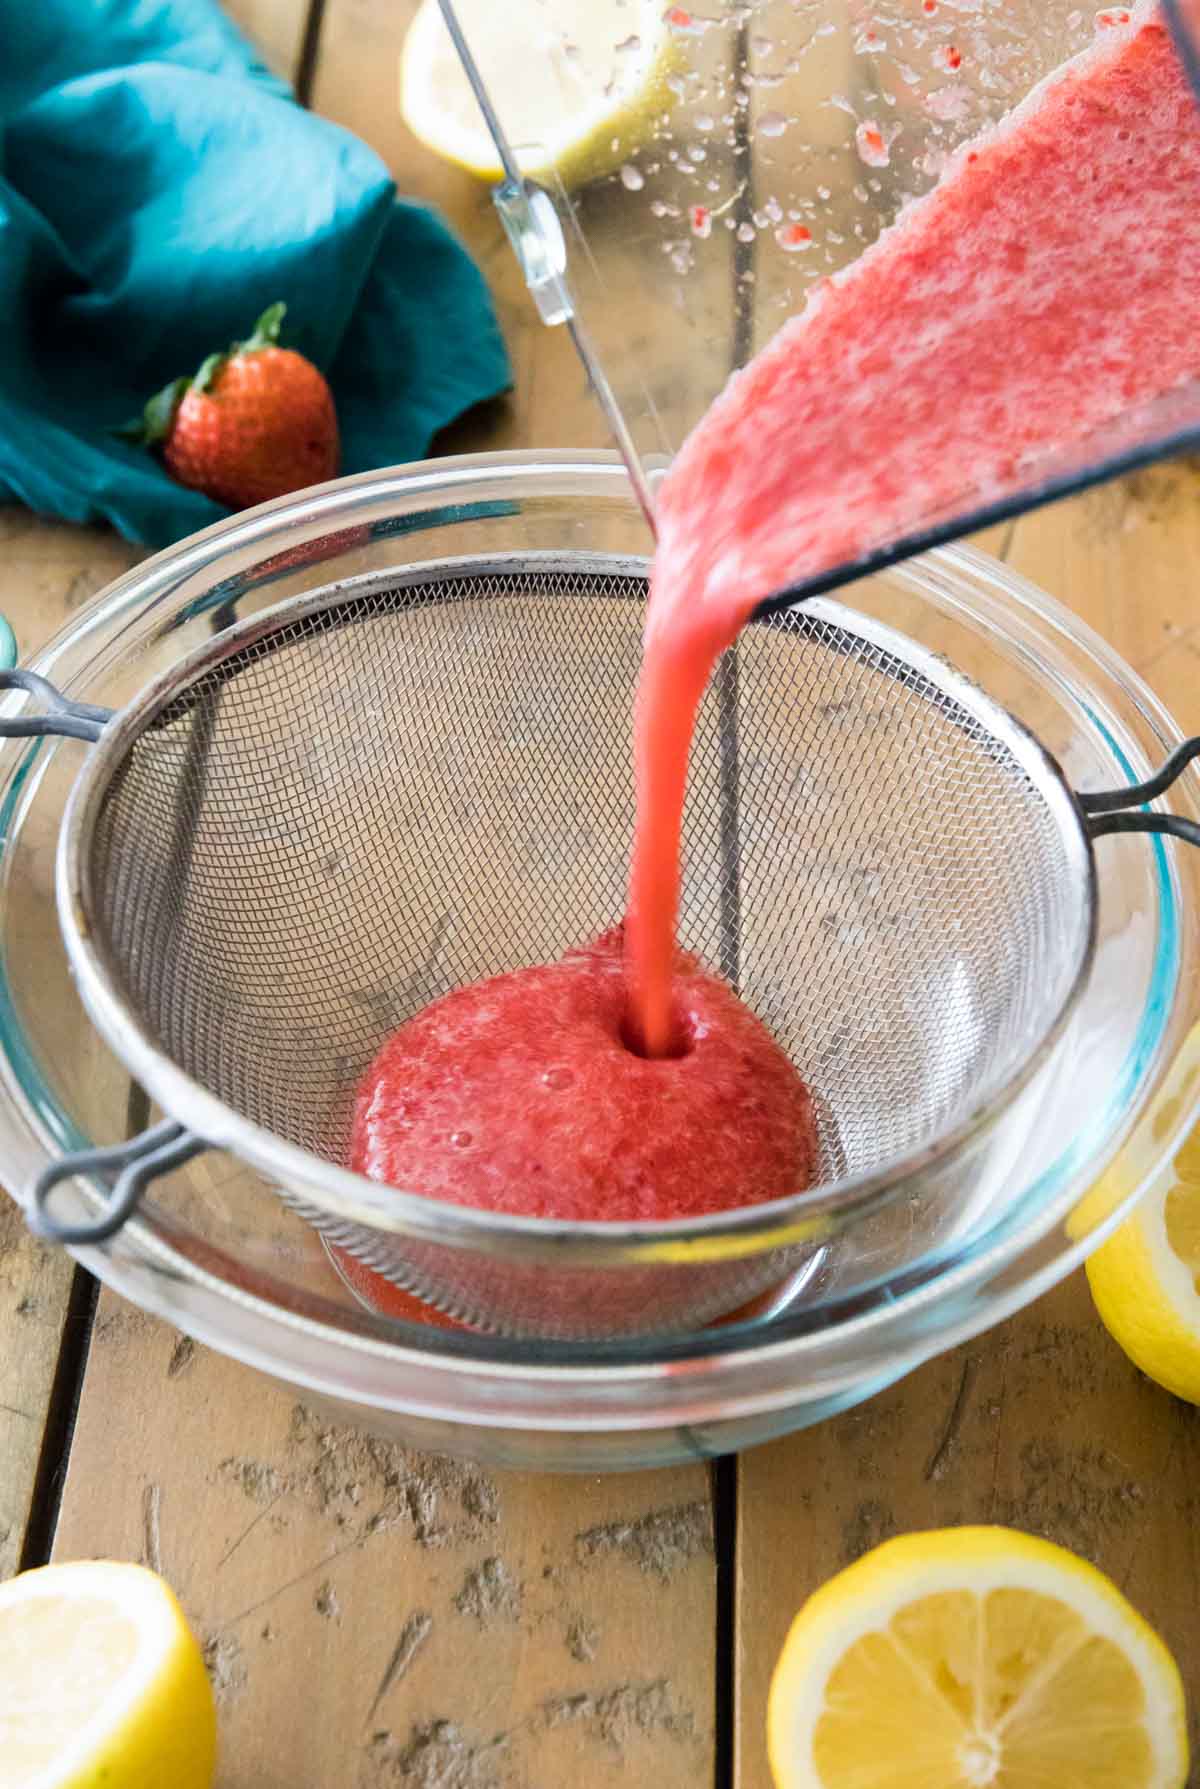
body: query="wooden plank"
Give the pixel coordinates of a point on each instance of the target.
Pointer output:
(34, 1287)
(461, 1627)
(1122, 558)
(50, 570)
(373, 1615)
(1042, 1424)
(47, 572)
(276, 28)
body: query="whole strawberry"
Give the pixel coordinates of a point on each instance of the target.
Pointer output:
(255, 422)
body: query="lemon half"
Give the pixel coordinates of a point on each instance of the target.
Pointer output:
(101, 1683)
(577, 84)
(1145, 1279)
(974, 1658)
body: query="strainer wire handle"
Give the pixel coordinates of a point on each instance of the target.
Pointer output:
(1121, 810)
(139, 1160)
(60, 717)
(1172, 825)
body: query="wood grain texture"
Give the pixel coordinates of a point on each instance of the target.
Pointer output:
(47, 572)
(276, 28)
(34, 1286)
(51, 570)
(373, 1616)
(1043, 1423)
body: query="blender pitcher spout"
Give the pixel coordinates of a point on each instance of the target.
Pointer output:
(768, 149)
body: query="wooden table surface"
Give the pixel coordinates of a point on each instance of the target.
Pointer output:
(377, 1618)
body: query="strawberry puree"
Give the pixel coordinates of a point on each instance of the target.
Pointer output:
(381, 1295)
(1049, 282)
(519, 1095)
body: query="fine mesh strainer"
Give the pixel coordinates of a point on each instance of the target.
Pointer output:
(335, 812)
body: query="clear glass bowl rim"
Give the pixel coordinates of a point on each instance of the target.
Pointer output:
(153, 1244)
(345, 1195)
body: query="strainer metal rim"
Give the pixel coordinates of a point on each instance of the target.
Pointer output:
(343, 1194)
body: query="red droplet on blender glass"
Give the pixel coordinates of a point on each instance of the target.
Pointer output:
(680, 19)
(872, 145)
(701, 220)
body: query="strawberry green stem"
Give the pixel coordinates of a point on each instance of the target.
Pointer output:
(154, 424)
(266, 330)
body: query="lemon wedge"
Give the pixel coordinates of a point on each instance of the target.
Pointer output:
(974, 1658)
(577, 84)
(1145, 1279)
(101, 1683)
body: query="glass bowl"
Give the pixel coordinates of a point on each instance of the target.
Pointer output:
(217, 1253)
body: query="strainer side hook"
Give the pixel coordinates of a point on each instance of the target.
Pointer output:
(1108, 811)
(140, 1159)
(61, 717)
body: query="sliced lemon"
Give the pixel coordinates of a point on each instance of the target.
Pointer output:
(1175, 1100)
(974, 1658)
(577, 84)
(1145, 1279)
(101, 1683)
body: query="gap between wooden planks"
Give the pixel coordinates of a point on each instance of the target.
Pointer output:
(49, 571)
(1042, 1423)
(373, 1616)
(215, 1474)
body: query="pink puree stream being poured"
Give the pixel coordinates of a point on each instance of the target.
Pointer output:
(1049, 282)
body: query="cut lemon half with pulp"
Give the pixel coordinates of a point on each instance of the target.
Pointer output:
(1145, 1279)
(974, 1658)
(101, 1683)
(577, 84)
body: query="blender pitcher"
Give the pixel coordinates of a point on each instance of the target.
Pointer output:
(791, 132)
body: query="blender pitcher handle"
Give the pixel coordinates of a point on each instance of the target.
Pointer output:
(1121, 810)
(60, 717)
(139, 1160)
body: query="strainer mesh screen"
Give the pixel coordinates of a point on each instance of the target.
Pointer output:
(363, 807)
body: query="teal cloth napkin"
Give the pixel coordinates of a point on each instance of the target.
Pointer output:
(159, 187)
